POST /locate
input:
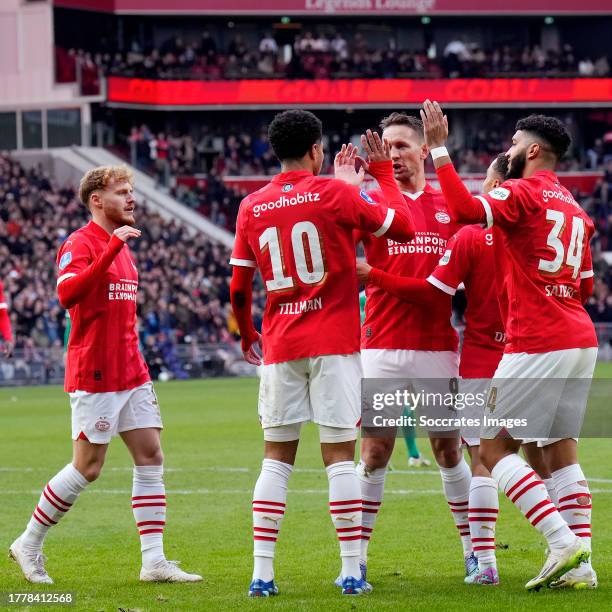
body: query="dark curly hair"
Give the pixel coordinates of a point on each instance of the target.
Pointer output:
(549, 131)
(293, 132)
(410, 121)
(500, 165)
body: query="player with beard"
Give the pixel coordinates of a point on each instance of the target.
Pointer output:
(546, 271)
(470, 259)
(401, 340)
(106, 377)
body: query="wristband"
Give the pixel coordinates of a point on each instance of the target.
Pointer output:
(439, 152)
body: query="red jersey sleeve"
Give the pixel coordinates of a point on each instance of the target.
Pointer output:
(73, 257)
(507, 204)
(79, 271)
(357, 209)
(454, 265)
(242, 254)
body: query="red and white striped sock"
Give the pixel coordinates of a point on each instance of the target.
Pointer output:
(456, 484)
(527, 492)
(57, 498)
(372, 484)
(149, 508)
(574, 501)
(345, 510)
(482, 516)
(549, 483)
(269, 498)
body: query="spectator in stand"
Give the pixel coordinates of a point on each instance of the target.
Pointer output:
(602, 67)
(339, 46)
(268, 45)
(315, 55)
(207, 44)
(599, 305)
(586, 68)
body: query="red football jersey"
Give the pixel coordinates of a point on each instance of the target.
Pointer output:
(544, 254)
(298, 230)
(470, 259)
(5, 321)
(103, 352)
(389, 322)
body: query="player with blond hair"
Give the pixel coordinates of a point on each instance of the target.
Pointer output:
(106, 378)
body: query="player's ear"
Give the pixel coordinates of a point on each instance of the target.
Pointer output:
(424, 152)
(533, 150)
(95, 201)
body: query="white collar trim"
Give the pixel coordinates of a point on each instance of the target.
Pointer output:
(413, 196)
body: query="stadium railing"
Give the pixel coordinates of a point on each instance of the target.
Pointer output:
(45, 366)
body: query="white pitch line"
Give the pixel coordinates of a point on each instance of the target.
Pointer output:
(224, 469)
(228, 491)
(247, 470)
(250, 491)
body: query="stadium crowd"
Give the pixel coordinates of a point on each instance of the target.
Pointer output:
(322, 56)
(184, 279)
(244, 150)
(208, 154)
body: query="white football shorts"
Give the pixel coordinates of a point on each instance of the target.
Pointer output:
(416, 367)
(101, 416)
(479, 389)
(552, 400)
(325, 390)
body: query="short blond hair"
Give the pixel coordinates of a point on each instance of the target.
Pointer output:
(100, 178)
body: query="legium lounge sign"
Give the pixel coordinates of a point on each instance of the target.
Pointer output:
(342, 6)
(373, 8)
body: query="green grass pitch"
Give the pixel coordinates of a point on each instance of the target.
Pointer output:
(213, 449)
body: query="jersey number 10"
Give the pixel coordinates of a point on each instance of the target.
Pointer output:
(310, 266)
(573, 257)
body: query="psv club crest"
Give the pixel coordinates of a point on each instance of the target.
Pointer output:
(102, 425)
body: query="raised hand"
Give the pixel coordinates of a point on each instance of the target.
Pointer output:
(344, 165)
(375, 148)
(435, 124)
(125, 232)
(363, 271)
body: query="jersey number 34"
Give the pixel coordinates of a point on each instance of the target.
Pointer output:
(573, 257)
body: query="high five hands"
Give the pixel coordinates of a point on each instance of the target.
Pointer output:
(350, 167)
(435, 124)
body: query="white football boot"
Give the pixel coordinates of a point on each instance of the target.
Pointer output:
(559, 563)
(32, 564)
(168, 571)
(581, 577)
